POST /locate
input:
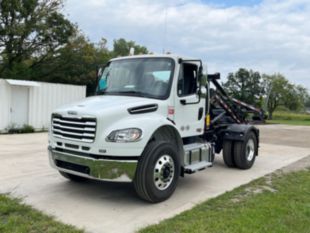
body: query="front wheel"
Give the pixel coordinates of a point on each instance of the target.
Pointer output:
(157, 172)
(245, 151)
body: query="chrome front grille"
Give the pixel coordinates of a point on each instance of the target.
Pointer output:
(74, 128)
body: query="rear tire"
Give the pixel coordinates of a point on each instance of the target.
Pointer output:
(72, 177)
(228, 154)
(157, 172)
(246, 151)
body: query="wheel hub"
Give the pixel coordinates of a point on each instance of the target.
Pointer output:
(250, 150)
(164, 172)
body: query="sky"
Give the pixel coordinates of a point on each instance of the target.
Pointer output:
(269, 36)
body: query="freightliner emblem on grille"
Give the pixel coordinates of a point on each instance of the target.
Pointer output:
(72, 112)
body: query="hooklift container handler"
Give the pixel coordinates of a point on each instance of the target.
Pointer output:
(154, 118)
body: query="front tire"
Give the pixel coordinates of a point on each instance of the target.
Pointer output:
(157, 172)
(246, 151)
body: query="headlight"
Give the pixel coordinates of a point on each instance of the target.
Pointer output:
(125, 135)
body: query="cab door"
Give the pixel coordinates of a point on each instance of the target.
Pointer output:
(189, 108)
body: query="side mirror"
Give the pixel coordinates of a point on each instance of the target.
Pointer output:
(214, 76)
(100, 69)
(99, 72)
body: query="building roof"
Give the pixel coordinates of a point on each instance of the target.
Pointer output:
(22, 83)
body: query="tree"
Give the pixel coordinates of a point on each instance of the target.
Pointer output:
(38, 43)
(280, 92)
(303, 96)
(31, 33)
(307, 104)
(244, 85)
(121, 47)
(76, 63)
(296, 97)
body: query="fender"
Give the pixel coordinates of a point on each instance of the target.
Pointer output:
(237, 132)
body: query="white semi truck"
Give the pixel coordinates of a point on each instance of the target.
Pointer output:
(153, 119)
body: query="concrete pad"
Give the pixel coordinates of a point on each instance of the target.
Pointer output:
(114, 207)
(298, 136)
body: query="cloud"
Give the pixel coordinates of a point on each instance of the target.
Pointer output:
(270, 36)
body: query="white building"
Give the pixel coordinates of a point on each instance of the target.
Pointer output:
(31, 103)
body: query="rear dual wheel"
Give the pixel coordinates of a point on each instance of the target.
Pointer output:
(240, 154)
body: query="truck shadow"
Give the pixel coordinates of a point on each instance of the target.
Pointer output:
(123, 192)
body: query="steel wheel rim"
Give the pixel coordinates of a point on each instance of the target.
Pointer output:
(164, 172)
(250, 150)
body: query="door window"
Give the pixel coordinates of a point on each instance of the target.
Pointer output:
(187, 83)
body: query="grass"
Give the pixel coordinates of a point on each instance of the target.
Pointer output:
(281, 115)
(277, 203)
(289, 122)
(289, 118)
(20, 218)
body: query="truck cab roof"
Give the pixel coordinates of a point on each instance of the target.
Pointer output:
(172, 56)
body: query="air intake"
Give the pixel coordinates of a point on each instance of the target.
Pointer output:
(143, 109)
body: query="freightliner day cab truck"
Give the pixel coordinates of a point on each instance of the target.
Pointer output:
(154, 118)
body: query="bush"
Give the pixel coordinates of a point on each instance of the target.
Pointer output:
(25, 129)
(282, 108)
(279, 115)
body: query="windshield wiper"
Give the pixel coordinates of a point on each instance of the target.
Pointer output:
(135, 93)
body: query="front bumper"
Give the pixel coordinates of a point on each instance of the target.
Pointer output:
(93, 168)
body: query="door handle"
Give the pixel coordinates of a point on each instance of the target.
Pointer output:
(200, 113)
(183, 102)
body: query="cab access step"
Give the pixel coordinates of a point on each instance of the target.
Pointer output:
(198, 156)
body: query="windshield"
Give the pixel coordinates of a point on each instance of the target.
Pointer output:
(145, 77)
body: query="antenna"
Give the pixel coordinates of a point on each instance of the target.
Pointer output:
(165, 29)
(166, 23)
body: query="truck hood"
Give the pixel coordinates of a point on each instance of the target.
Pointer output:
(98, 105)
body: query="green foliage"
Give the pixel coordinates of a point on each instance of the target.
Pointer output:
(282, 108)
(289, 122)
(281, 92)
(307, 104)
(121, 47)
(25, 129)
(18, 217)
(269, 91)
(77, 62)
(31, 33)
(245, 85)
(280, 115)
(38, 43)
